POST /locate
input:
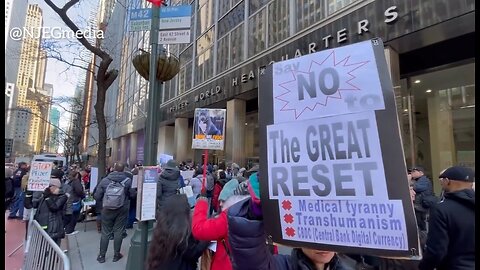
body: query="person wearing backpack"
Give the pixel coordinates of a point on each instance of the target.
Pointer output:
(9, 189)
(114, 191)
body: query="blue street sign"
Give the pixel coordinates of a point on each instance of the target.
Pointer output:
(140, 14)
(176, 11)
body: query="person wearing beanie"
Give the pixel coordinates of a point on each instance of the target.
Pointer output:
(216, 229)
(50, 209)
(451, 232)
(167, 184)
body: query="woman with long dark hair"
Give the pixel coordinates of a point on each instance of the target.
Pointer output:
(173, 246)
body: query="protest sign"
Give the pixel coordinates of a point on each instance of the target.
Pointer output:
(147, 193)
(209, 129)
(39, 178)
(332, 168)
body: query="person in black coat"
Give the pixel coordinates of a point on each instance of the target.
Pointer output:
(50, 210)
(451, 234)
(249, 251)
(173, 246)
(167, 184)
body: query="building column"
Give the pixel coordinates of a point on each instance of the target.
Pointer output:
(123, 149)
(133, 149)
(235, 133)
(114, 153)
(166, 141)
(182, 139)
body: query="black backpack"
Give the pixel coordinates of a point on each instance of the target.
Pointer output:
(429, 200)
(9, 189)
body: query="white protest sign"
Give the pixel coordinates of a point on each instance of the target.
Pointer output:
(327, 83)
(327, 157)
(147, 193)
(332, 168)
(209, 129)
(39, 178)
(93, 178)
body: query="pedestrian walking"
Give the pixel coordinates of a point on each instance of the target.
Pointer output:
(74, 188)
(114, 192)
(167, 184)
(17, 202)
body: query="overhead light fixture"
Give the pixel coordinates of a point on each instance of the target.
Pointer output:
(428, 91)
(417, 81)
(405, 110)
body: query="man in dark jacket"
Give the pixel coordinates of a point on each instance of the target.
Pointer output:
(113, 220)
(73, 186)
(451, 234)
(17, 206)
(167, 184)
(423, 188)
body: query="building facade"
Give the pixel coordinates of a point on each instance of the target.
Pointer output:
(30, 80)
(429, 47)
(53, 135)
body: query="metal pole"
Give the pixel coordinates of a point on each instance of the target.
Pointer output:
(151, 140)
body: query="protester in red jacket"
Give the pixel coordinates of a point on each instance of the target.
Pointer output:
(211, 229)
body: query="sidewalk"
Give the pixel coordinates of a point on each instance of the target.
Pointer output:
(83, 247)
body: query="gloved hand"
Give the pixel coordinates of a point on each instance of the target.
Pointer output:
(47, 192)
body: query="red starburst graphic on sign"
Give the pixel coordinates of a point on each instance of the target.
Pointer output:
(344, 69)
(288, 218)
(290, 231)
(287, 205)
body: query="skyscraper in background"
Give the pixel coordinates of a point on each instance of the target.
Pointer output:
(30, 82)
(54, 135)
(15, 11)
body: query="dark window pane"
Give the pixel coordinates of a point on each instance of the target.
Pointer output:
(257, 27)
(278, 22)
(236, 41)
(256, 5)
(232, 19)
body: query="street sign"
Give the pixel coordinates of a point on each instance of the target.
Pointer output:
(175, 17)
(140, 19)
(174, 37)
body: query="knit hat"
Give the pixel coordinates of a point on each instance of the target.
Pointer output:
(55, 182)
(228, 190)
(172, 165)
(254, 187)
(458, 173)
(56, 173)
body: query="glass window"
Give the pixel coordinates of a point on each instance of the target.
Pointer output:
(186, 56)
(204, 66)
(335, 5)
(257, 28)
(236, 45)
(222, 54)
(309, 12)
(188, 76)
(205, 41)
(223, 7)
(181, 81)
(278, 23)
(442, 119)
(232, 19)
(204, 17)
(254, 6)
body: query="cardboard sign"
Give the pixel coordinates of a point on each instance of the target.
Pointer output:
(209, 129)
(147, 193)
(332, 168)
(39, 178)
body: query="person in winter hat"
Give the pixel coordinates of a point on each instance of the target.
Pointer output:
(451, 232)
(216, 229)
(167, 184)
(51, 209)
(222, 180)
(247, 241)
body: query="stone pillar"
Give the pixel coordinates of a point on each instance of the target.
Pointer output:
(235, 132)
(133, 149)
(123, 149)
(182, 139)
(166, 142)
(114, 154)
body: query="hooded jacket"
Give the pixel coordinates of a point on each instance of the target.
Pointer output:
(451, 235)
(167, 185)
(249, 251)
(210, 229)
(117, 177)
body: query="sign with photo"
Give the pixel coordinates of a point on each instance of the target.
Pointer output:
(331, 158)
(209, 129)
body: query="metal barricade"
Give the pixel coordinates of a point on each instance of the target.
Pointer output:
(42, 253)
